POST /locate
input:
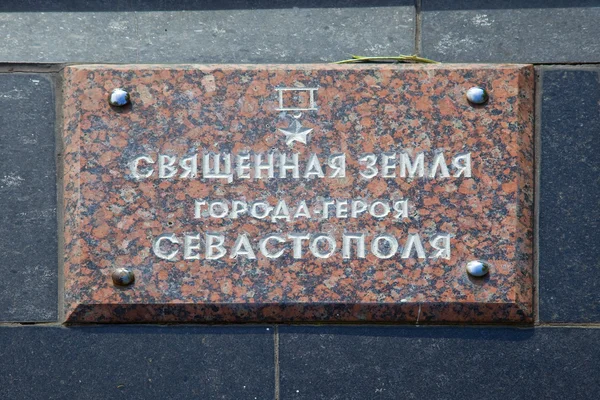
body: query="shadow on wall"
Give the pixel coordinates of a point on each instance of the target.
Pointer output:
(461, 333)
(458, 332)
(185, 5)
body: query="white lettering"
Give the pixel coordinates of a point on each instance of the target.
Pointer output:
(135, 164)
(315, 247)
(337, 163)
(166, 166)
(401, 208)
(302, 210)
(158, 251)
(385, 209)
(266, 209)
(297, 238)
(326, 204)
(212, 209)
(265, 251)
(281, 212)
(242, 162)
(189, 246)
(443, 248)
(341, 208)
(360, 244)
(242, 248)
(313, 167)
(214, 246)
(388, 165)
(369, 161)
(284, 166)
(259, 167)
(462, 163)
(237, 208)
(413, 241)
(439, 162)
(358, 207)
(391, 244)
(418, 168)
(217, 171)
(198, 208)
(189, 166)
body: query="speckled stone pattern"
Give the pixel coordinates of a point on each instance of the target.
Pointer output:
(113, 218)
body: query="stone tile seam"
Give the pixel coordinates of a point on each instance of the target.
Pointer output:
(276, 362)
(537, 141)
(418, 25)
(591, 66)
(59, 151)
(53, 68)
(541, 326)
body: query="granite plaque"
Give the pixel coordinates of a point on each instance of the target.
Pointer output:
(283, 193)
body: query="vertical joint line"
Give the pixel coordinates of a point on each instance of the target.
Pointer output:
(59, 154)
(418, 6)
(276, 355)
(537, 156)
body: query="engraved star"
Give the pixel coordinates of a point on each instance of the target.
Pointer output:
(295, 133)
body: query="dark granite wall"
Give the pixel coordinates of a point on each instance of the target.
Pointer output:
(558, 358)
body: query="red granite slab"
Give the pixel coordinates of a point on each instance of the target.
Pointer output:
(124, 210)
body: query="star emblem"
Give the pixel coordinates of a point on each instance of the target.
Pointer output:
(295, 132)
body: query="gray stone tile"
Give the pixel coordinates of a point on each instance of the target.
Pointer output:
(534, 31)
(28, 249)
(211, 32)
(438, 363)
(137, 362)
(569, 200)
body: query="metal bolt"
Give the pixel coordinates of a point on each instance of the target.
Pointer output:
(123, 277)
(477, 95)
(118, 97)
(478, 268)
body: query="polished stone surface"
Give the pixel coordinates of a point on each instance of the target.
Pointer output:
(356, 363)
(28, 240)
(159, 31)
(532, 31)
(137, 363)
(123, 213)
(569, 205)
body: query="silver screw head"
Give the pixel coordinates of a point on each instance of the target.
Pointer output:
(478, 268)
(118, 97)
(123, 277)
(477, 95)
